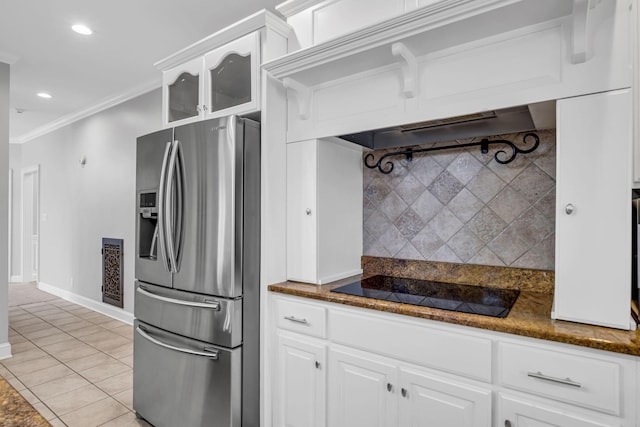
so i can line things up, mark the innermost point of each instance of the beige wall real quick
(81, 205)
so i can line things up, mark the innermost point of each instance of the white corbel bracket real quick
(301, 93)
(409, 69)
(581, 36)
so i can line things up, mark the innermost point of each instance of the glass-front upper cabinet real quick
(182, 91)
(233, 77)
(222, 82)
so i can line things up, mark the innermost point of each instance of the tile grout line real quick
(63, 309)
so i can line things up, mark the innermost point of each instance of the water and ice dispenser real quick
(148, 225)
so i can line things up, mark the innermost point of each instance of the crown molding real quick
(8, 58)
(292, 7)
(414, 23)
(245, 26)
(84, 113)
(277, 24)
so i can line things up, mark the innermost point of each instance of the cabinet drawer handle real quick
(566, 381)
(317, 365)
(403, 391)
(389, 387)
(296, 320)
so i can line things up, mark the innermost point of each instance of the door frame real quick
(10, 221)
(36, 212)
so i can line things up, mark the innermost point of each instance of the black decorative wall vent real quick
(112, 272)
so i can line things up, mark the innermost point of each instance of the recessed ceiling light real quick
(44, 95)
(82, 29)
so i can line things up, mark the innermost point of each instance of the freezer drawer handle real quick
(209, 352)
(567, 381)
(210, 304)
(296, 320)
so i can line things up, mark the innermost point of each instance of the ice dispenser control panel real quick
(148, 208)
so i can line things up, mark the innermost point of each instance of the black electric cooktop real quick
(482, 300)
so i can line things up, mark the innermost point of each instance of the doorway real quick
(30, 223)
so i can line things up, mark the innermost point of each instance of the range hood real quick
(496, 122)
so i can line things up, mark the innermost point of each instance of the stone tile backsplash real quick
(462, 206)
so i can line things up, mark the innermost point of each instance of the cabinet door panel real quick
(362, 390)
(593, 239)
(301, 383)
(428, 400)
(301, 211)
(182, 93)
(516, 412)
(232, 77)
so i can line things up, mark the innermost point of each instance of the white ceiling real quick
(83, 71)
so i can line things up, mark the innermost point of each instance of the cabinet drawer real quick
(300, 317)
(567, 377)
(518, 412)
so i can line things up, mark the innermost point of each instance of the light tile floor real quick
(72, 364)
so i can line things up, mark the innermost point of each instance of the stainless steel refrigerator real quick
(196, 336)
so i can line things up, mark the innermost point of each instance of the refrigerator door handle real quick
(209, 352)
(169, 209)
(208, 303)
(180, 188)
(161, 213)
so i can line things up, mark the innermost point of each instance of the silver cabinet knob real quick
(507, 423)
(308, 211)
(569, 209)
(389, 387)
(403, 392)
(317, 365)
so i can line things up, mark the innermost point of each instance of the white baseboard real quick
(16, 279)
(5, 350)
(100, 307)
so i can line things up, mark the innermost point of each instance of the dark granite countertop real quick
(530, 315)
(15, 411)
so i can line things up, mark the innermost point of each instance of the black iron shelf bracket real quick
(501, 156)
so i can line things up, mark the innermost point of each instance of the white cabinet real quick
(232, 78)
(369, 390)
(301, 382)
(222, 82)
(428, 399)
(552, 385)
(362, 390)
(301, 369)
(182, 92)
(372, 378)
(593, 383)
(635, 45)
(593, 262)
(441, 60)
(522, 412)
(324, 201)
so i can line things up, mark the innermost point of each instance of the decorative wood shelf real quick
(429, 29)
